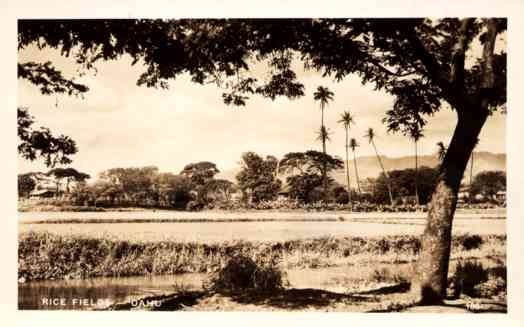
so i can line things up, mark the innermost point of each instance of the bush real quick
(242, 273)
(468, 275)
(470, 242)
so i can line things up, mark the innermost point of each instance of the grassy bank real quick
(49, 256)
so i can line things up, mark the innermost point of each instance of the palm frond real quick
(323, 134)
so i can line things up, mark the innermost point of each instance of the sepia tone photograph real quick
(268, 164)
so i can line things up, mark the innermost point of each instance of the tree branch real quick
(456, 76)
(437, 73)
(430, 63)
(488, 75)
(389, 72)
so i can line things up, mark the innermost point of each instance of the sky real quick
(119, 124)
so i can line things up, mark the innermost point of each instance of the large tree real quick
(310, 166)
(256, 178)
(26, 184)
(420, 62)
(135, 183)
(403, 184)
(488, 183)
(69, 174)
(200, 174)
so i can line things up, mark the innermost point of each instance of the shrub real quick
(468, 275)
(470, 242)
(242, 273)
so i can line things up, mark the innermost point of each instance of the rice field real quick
(261, 226)
(123, 255)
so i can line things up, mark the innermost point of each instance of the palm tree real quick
(353, 145)
(346, 119)
(416, 134)
(324, 95)
(441, 151)
(370, 135)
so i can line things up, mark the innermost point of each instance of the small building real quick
(42, 194)
(284, 192)
(463, 192)
(501, 196)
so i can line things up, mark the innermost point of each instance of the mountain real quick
(368, 166)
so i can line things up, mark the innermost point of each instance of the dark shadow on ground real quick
(397, 288)
(285, 299)
(296, 299)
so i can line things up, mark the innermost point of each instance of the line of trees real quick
(193, 188)
(297, 177)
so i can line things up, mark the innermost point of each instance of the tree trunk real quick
(356, 172)
(347, 169)
(430, 281)
(324, 164)
(416, 175)
(471, 176)
(324, 172)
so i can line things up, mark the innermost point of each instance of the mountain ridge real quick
(368, 166)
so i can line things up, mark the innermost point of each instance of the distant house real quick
(42, 193)
(463, 193)
(501, 196)
(284, 191)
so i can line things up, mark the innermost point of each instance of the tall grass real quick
(43, 255)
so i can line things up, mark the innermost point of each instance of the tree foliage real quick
(256, 178)
(69, 174)
(415, 60)
(201, 172)
(26, 184)
(403, 184)
(41, 143)
(488, 183)
(309, 166)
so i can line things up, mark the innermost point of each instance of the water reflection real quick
(87, 294)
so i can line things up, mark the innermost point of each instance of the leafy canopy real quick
(41, 143)
(421, 62)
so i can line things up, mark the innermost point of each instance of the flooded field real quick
(277, 226)
(86, 294)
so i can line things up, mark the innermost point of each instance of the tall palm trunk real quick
(471, 175)
(356, 172)
(416, 174)
(347, 167)
(324, 164)
(385, 174)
